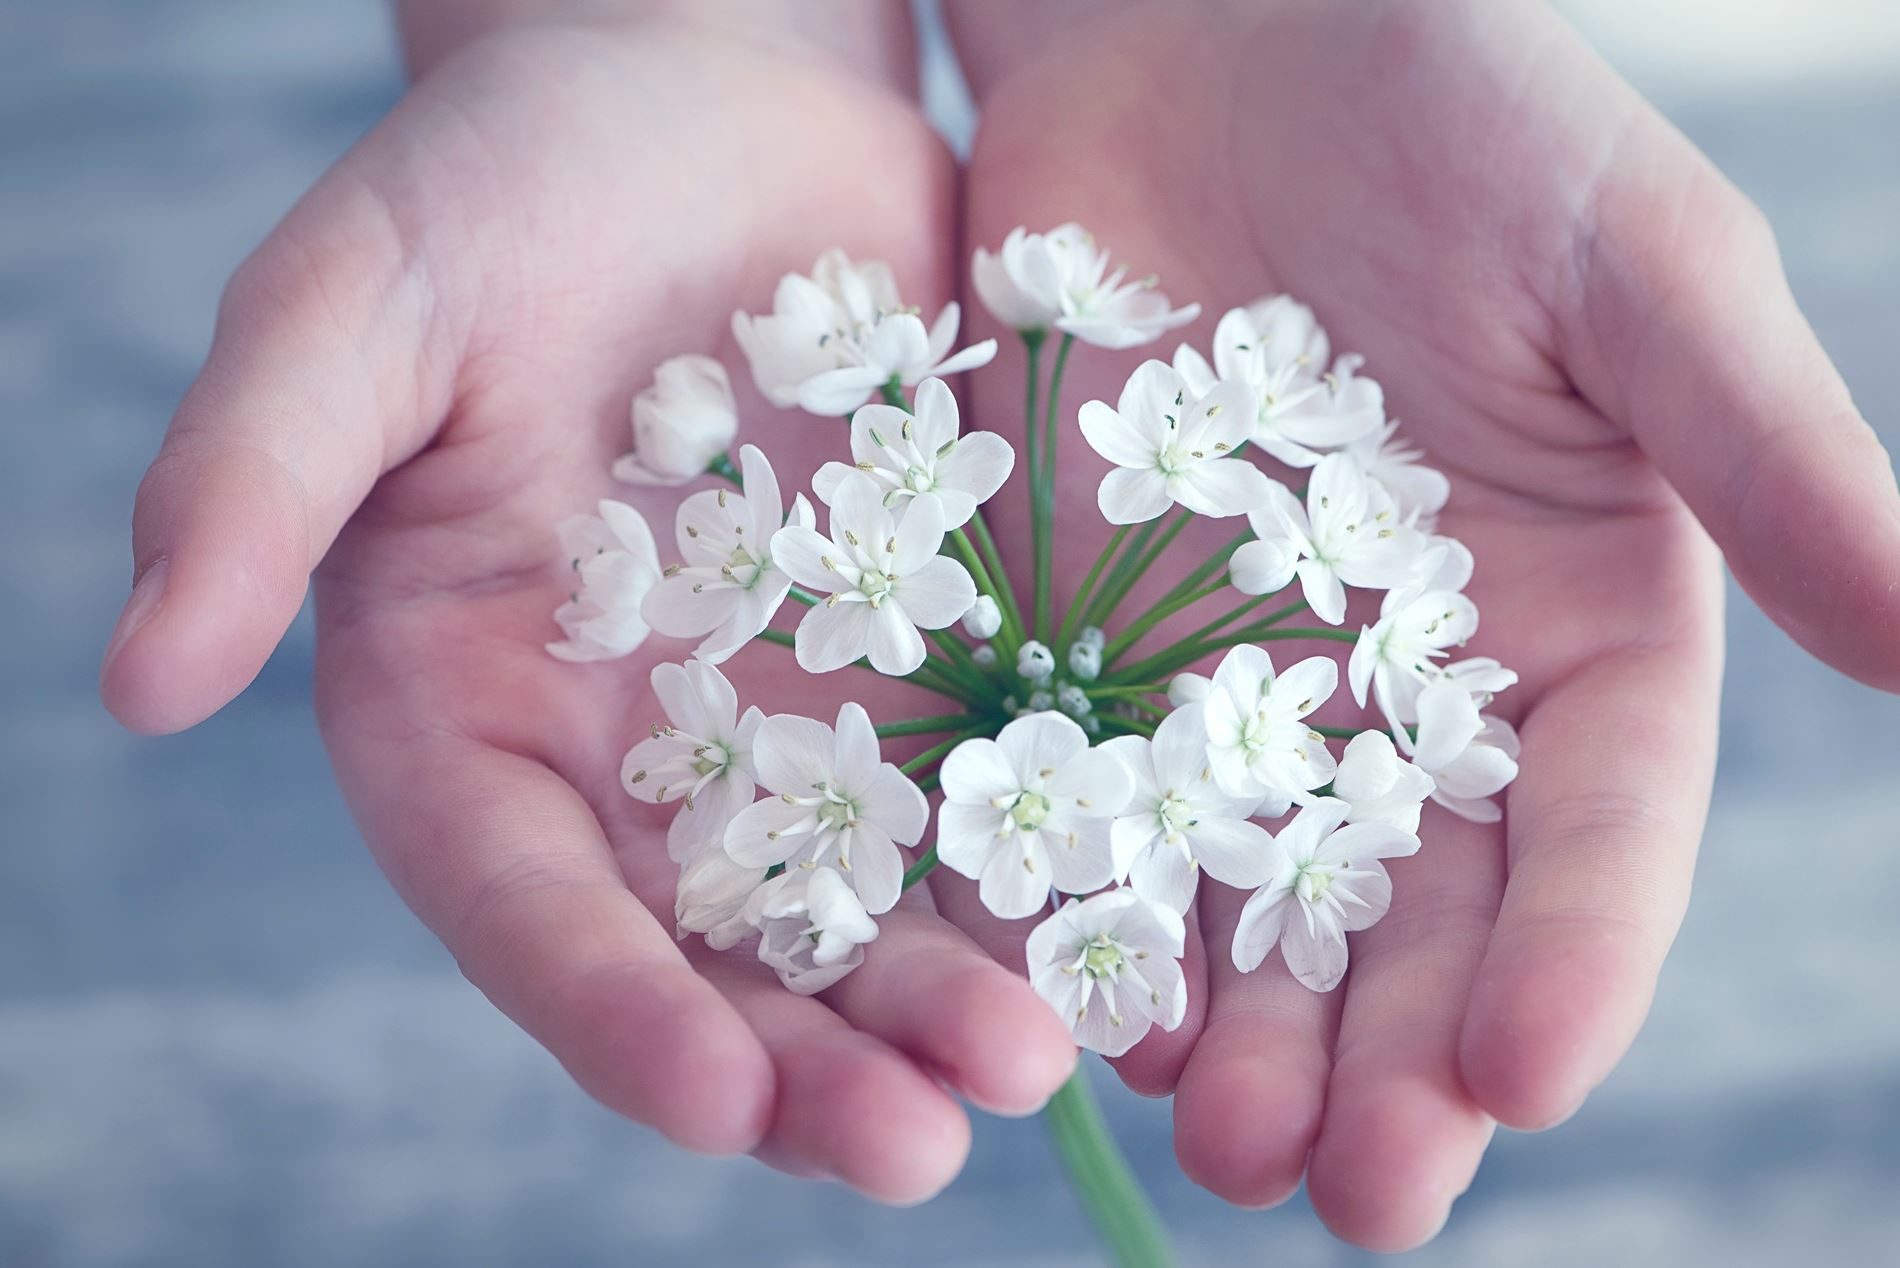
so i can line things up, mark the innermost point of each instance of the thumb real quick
(1691, 338)
(315, 385)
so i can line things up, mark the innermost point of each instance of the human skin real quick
(427, 365)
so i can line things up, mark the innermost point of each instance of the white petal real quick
(1222, 487)
(1008, 888)
(1041, 741)
(978, 772)
(1121, 440)
(1317, 960)
(793, 753)
(855, 747)
(1132, 495)
(896, 648)
(832, 635)
(1261, 923)
(938, 594)
(1235, 852)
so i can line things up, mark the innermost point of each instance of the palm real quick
(1289, 162)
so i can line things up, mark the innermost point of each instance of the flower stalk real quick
(1112, 1197)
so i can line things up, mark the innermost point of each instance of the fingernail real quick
(146, 595)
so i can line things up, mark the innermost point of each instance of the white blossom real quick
(1394, 656)
(1379, 786)
(1179, 822)
(1035, 662)
(702, 756)
(1172, 447)
(835, 338)
(1328, 881)
(1258, 743)
(1420, 491)
(1188, 687)
(711, 898)
(921, 455)
(883, 581)
(812, 928)
(726, 588)
(617, 564)
(983, 619)
(1030, 809)
(1110, 967)
(984, 654)
(1278, 351)
(835, 803)
(1061, 279)
(1470, 756)
(1085, 661)
(1073, 700)
(683, 421)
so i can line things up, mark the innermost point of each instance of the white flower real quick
(1277, 350)
(921, 456)
(1379, 786)
(1470, 756)
(1348, 533)
(1328, 882)
(1420, 491)
(1110, 967)
(813, 928)
(1394, 655)
(1257, 742)
(614, 556)
(727, 588)
(1061, 279)
(703, 756)
(883, 581)
(1179, 821)
(1085, 661)
(711, 898)
(983, 619)
(1035, 662)
(1189, 688)
(680, 424)
(834, 338)
(836, 803)
(1030, 809)
(1172, 447)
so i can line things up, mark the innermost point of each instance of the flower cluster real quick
(1086, 774)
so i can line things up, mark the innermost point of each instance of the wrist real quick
(870, 38)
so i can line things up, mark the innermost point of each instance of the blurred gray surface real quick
(223, 1042)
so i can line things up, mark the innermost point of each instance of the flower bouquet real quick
(1085, 775)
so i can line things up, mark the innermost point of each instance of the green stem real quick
(1045, 490)
(801, 595)
(1156, 615)
(993, 560)
(937, 752)
(925, 864)
(1081, 601)
(893, 392)
(1123, 1217)
(936, 724)
(1032, 457)
(1110, 594)
(721, 466)
(1128, 726)
(986, 583)
(780, 637)
(1198, 644)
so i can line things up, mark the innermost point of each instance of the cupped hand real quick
(1589, 330)
(423, 370)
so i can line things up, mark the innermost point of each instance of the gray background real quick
(223, 1041)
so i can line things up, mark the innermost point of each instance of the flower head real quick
(1110, 967)
(1394, 656)
(834, 338)
(1179, 821)
(614, 556)
(1258, 743)
(726, 588)
(1328, 881)
(1277, 349)
(921, 456)
(1061, 279)
(702, 756)
(1030, 809)
(1470, 756)
(1171, 447)
(812, 928)
(680, 424)
(835, 803)
(883, 581)
(1348, 533)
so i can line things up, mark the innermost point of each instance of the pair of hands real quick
(428, 363)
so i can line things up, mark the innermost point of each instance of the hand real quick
(1588, 328)
(430, 363)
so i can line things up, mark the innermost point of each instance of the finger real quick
(1690, 335)
(1401, 1137)
(1249, 1103)
(849, 1106)
(1153, 1066)
(504, 861)
(1604, 823)
(930, 991)
(326, 368)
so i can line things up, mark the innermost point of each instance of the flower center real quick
(1103, 957)
(742, 569)
(918, 480)
(1176, 815)
(1029, 811)
(836, 812)
(875, 585)
(1315, 879)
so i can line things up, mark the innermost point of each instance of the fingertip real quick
(1010, 1051)
(1153, 1067)
(1392, 1157)
(1255, 1158)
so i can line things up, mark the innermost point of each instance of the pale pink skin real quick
(1556, 291)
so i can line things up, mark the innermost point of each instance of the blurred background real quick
(224, 1042)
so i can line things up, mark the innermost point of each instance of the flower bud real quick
(681, 423)
(1041, 702)
(712, 896)
(983, 619)
(1188, 689)
(1035, 662)
(1074, 701)
(1085, 661)
(984, 655)
(1092, 636)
